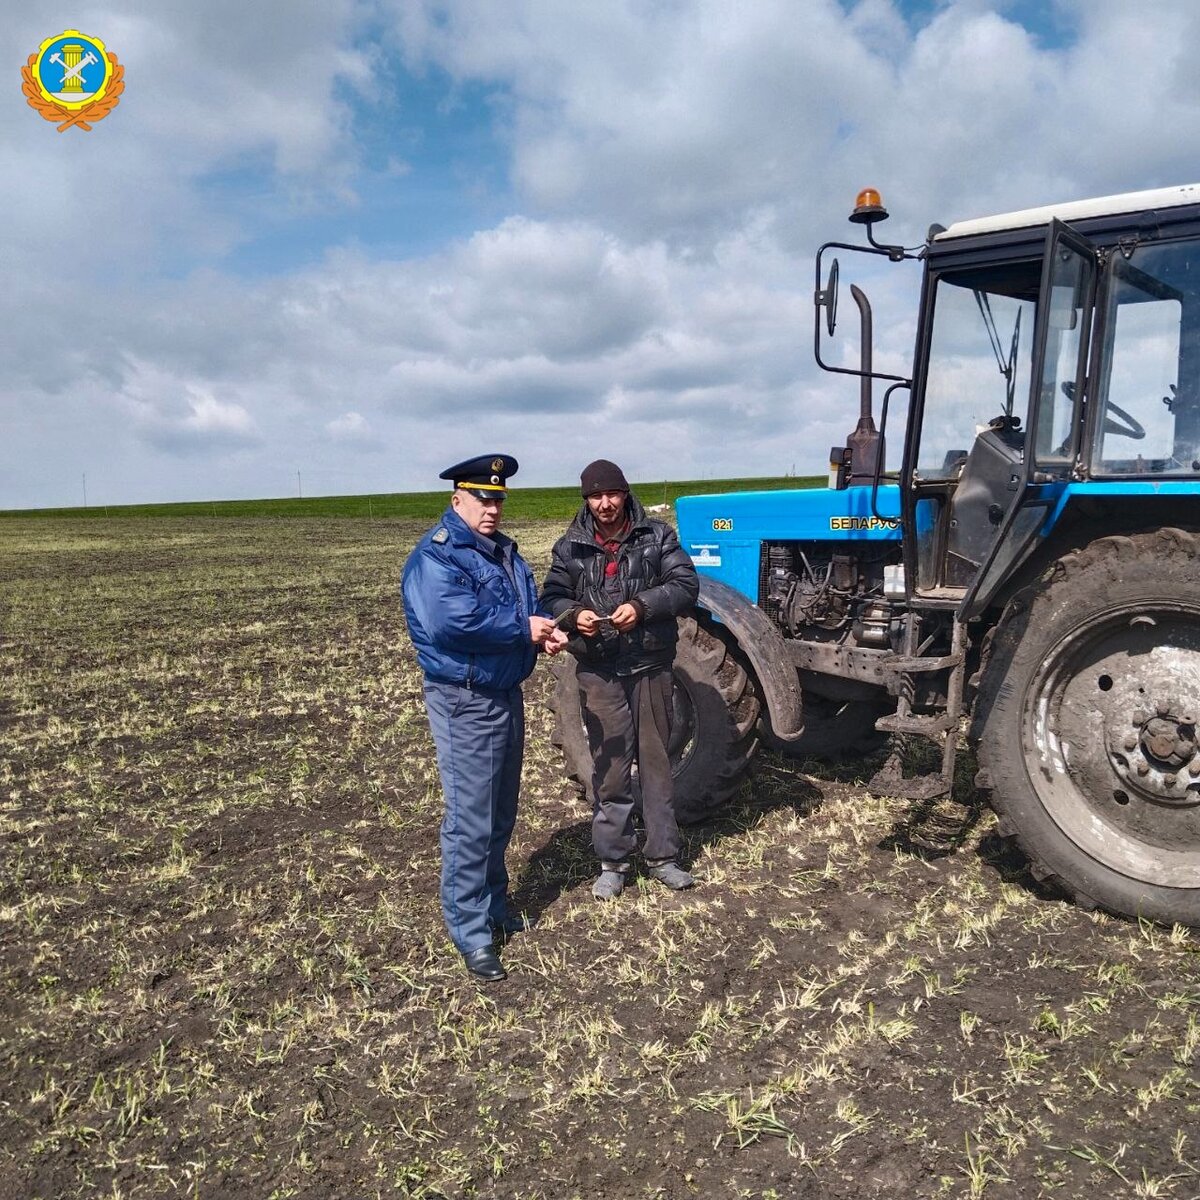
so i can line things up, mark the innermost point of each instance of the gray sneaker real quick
(609, 886)
(672, 875)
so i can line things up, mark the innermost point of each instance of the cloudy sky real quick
(359, 239)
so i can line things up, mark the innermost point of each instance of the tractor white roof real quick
(1077, 210)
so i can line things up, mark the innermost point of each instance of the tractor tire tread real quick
(1105, 559)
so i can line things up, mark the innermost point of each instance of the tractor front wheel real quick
(1087, 725)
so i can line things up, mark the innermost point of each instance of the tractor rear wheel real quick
(1087, 725)
(714, 730)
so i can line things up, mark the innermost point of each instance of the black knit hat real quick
(602, 476)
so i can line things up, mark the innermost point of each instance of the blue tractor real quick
(1029, 578)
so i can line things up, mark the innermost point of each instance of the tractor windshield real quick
(979, 360)
(1149, 393)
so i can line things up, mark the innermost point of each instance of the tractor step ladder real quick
(890, 779)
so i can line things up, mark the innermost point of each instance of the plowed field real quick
(223, 971)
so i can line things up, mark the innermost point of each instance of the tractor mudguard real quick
(761, 644)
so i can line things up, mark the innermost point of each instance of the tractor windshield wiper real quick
(1007, 367)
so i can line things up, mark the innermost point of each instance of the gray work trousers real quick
(480, 739)
(628, 719)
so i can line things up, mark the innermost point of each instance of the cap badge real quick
(497, 465)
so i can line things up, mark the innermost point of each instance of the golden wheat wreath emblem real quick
(73, 79)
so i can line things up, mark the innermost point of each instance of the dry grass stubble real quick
(223, 972)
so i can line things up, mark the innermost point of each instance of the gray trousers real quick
(628, 719)
(480, 739)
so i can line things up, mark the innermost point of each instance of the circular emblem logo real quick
(72, 69)
(73, 76)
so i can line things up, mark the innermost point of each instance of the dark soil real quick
(223, 971)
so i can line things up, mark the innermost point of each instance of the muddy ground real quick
(223, 972)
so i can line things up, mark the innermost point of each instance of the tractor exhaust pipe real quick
(865, 339)
(864, 445)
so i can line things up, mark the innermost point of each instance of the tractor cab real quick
(1057, 363)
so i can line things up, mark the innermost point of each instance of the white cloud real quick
(209, 417)
(210, 88)
(350, 424)
(684, 120)
(354, 430)
(180, 417)
(649, 295)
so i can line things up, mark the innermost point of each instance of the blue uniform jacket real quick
(466, 621)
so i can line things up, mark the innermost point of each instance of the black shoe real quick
(484, 964)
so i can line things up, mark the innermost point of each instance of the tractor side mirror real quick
(827, 298)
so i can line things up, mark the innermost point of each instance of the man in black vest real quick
(617, 581)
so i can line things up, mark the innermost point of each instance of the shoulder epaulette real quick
(440, 535)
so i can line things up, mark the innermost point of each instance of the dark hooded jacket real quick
(653, 573)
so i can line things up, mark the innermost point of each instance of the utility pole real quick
(85, 489)
(299, 488)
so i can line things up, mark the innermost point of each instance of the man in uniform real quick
(473, 617)
(617, 581)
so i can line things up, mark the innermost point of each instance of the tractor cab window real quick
(979, 362)
(1069, 296)
(974, 405)
(1148, 405)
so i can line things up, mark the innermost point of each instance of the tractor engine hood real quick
(724, 533)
